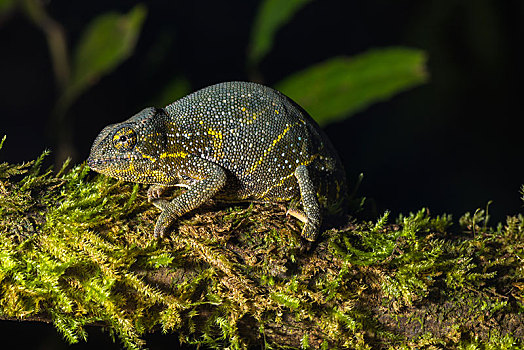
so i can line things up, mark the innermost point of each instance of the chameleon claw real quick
(155, 191)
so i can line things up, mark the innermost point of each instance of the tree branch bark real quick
(236, 273)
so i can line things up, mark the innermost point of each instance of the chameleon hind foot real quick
(309, 232)
(309, 202)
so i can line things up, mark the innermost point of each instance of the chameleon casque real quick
(237, 141)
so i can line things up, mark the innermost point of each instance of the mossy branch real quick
(76, 249)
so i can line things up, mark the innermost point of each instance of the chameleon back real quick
(260, 137)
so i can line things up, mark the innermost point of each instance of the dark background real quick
(451, 145)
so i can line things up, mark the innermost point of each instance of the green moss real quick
(77, 249)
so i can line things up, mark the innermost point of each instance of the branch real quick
(77, 250)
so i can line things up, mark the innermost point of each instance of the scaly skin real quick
(235, 141)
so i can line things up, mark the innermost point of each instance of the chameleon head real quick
(129, 150)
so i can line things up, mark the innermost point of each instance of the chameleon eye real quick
(124, 139)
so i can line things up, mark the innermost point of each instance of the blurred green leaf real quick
(6, 5)
(270, 17)
(340, 87)
(174, 90)
(107, 41)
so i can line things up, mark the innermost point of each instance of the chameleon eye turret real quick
(124, 139)
(234, 140)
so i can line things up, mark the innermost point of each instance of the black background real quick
(451, 145)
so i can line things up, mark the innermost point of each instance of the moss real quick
(77, 249)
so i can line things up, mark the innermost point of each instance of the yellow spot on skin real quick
(122, 173)
(266, 152)
(159, 176)
(173, 155)
(148, 157)
(252, 119)
(201, 122)
(276, 111)
(214, 133)
(217, 142)
(276, 185)
(243, 109)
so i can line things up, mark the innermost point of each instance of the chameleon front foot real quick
(166, 218)
(155, 191)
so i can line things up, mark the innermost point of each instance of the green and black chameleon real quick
(234, 141)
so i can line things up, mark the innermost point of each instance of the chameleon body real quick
(234, 141)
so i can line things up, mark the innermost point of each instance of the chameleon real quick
(236, 141)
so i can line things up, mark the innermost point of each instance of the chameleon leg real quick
(309, 202)
(214, 178)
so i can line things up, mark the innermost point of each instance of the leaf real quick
(107, 41)
(6, 5)
(342, 86)
(172, 91)
(272, 15)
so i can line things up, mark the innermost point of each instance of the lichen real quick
(78, 249)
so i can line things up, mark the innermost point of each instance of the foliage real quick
(78, 249)
(6, 5)
(342, 86)
(107, 41)
(269, 18)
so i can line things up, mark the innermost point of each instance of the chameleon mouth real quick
(97, 163)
